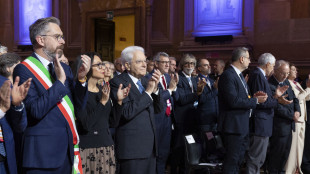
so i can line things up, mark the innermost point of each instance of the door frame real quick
(88, 26)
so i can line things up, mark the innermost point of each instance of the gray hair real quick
(39, 27)
(266, 58)
(279, 63)
(173, 58)
(187, 57)
(3, 49)
(7, 60)
(238, 52)
(127, 53)
(199, 61)
(157, 56)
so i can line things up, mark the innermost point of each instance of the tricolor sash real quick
(65, 106)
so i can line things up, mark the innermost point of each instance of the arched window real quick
(217, 17)
(27, 12)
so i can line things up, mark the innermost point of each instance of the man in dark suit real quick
(218, 69)
(236, 105)
(119, 67)
(262, 117)
(207, 110)
(50, 137)
(13, 119)
(186, 101)
(284, 120)
(136, 139)
(163, 122)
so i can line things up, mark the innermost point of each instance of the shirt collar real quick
(262, 71)
(43, 61)
(187, 76)
(134, 79)
(236, 69)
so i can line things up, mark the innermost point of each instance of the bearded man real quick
(50, 144)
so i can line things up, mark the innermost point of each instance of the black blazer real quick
(94, 121)
(262, 116)
(184, 100)
(135, 134)
(208, 104)
(234, 104)
(283, 122)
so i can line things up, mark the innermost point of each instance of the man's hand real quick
(174, 82)
(280, 91)
(153, 82)
(216, 83)
(200, 86)
(5, 93)
(296, 117)
(85, 67)
(122, 93)
(59, 71)
(19, 93)
(282, 100)
(261, 96)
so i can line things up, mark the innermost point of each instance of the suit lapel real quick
(134, 88)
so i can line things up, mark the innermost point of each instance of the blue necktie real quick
(141, 88)
(2, 149)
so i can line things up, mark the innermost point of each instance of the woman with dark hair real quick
(96, 143)
(294, 160)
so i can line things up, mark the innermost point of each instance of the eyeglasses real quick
(164, 62)
(99, 65)
(189, 63)
(58, 37)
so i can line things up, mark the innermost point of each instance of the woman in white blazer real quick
(295, 157)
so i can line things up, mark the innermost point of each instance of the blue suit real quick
(48, 142)
(235, 107)
(283, 125)
(163, 126)
(208, 105)
(184, 118)
(261, 122)
(262, 116)
(13, 122)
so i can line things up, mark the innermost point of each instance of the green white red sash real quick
(65, 106)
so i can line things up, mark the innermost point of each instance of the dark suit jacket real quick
(12, 122)
(135, 134)
(48, 137)
(234, 104)
(208, 104)
(165, 95)
(262, 116)
(283, 122)
(184, 101)
(93, 122)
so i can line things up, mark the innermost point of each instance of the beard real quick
(52, 54)
(188, 71)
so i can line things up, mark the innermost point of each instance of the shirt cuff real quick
(1, 114)
(19, 108)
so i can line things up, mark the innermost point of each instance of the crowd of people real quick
(131, 116)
